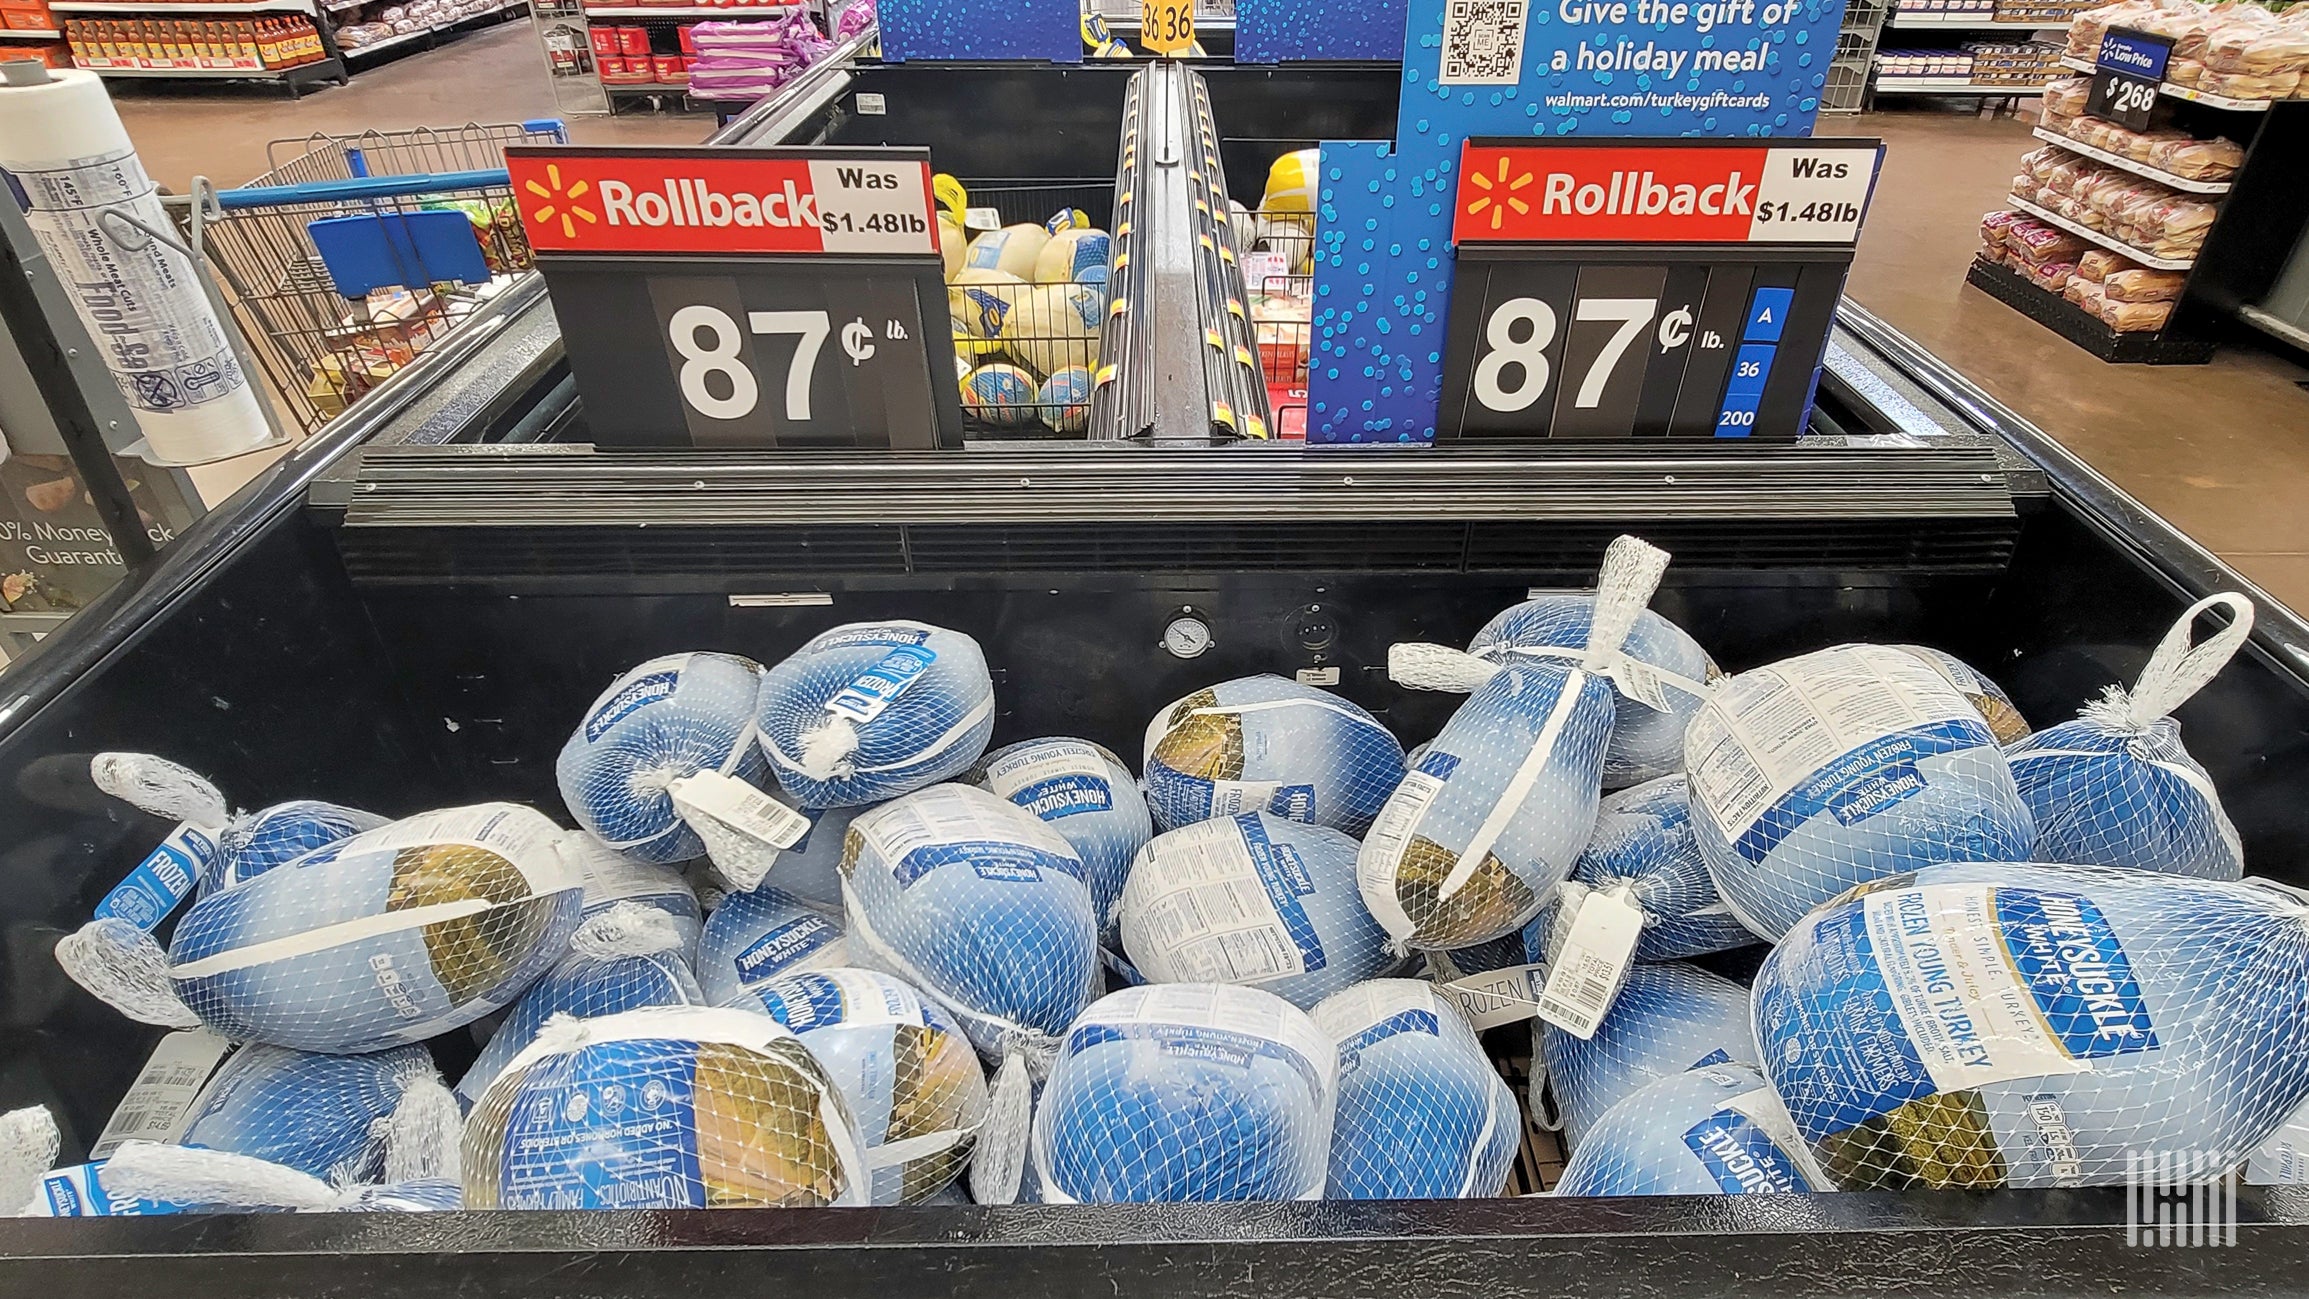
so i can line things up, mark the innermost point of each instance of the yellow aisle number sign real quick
(1167, 26)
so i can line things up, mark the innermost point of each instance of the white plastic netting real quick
(1646, 742)
(663, 720)
(1265, 743)
(1187, 1092)
(2115, 787)
(609, 878)
(972, 900)
(869, 711)
(1667, 1018)
(1988, 698)
(1718, 1130)
(912, 1080)
(322, 1115)
(1643, 843)
(1475, 839)
(1083, 791)
(627, 957)
(1839, 767)
(761, 934)
(675, 1107)
(1255, 900)
(1422, 1112)
(1991, 1024)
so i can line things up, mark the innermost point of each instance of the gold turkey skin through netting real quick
(2004, 721)
(758, 1115)
(1206, 746)
(472, 956)
(935, 1069)
(1492, 896)
(1935, 1143)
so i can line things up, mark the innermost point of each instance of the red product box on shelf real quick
(632, 41)
(604, 41)
(688, 35)
(34, 19)
(670, 69)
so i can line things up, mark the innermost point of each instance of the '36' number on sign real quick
(707, 341)
(1521, 330)
(1167, 26)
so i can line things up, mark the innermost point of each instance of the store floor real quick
(2222, 450)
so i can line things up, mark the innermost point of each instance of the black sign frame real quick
(2121, 95)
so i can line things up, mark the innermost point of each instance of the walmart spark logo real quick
(566, 210)
(1498, 207)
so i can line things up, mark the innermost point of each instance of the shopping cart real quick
(1028, 351)
(351, 254)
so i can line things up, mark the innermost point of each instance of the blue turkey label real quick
(864, 699)
(1000, 861)
(803, 1002)
(894, 637)
(610, 1126)
(1715, 1057)
(784, 945)
(2063, 948)
(1861, 783)
(162, 880)
(629, 698)
(1284, 874)
(1351, 1048)
(1054, 779)
(1742, 1157)
(1437, 763)
(1223, 1047)
(1294, 803)
(920, 835)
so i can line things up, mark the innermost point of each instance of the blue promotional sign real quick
(2128, 68)
(2136, 52)
(955, 29)
(1383, 262)
(1297, 31)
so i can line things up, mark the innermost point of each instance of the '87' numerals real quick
(1524, 359)
(720, 357)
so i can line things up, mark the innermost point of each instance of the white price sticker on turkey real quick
(1587, 974)
(160, 1101)
(740, 806)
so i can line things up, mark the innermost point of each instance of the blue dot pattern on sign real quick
(952, 29)
(1354, 291)
(1285, 31)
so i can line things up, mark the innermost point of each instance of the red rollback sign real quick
(727, 202)
(1655, 192)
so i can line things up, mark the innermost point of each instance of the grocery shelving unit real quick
(658, 94)
(325, 15)
(425, 38)
(1983, 22)
(1953, 86)
(2259, 221)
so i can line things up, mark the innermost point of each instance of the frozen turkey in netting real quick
(610, 877)
(628, 957)
(811, 869)
(1085, 793)
(673, 1108)
(1251, 899)
(1477, 837)
(1646, 742)
(319, 1114)
(1715, 1130)
(2115, 787)
(1422, 1114)
(869, 711)
(912, 1080)
(1265, 743)
(1838, 767)
(1994, 705)
(1667, 1018)
(148, 1179)
(1643, 842)
(667, 719)
(1989, 1024)
(972, 900)
(1187, 1092)
(392, 936)
(761, 934)
(253, 844)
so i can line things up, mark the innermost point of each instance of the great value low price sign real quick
(1646, 288)
(796, 294)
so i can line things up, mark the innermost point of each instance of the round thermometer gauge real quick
(1187, 636)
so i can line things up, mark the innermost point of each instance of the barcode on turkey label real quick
(160, 1101)
(1577, 998)
(739, 806)
(1483, 42)
(1586, 976)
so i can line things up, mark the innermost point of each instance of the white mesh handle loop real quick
(163, 788)
(626, 929)
(1632, 568)
(1416, 665)
(28, 1145)
(424, 1132)
(998, 1164)
(121, 966)
(2178, 669)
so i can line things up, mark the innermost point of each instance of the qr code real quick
(1483, 42)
